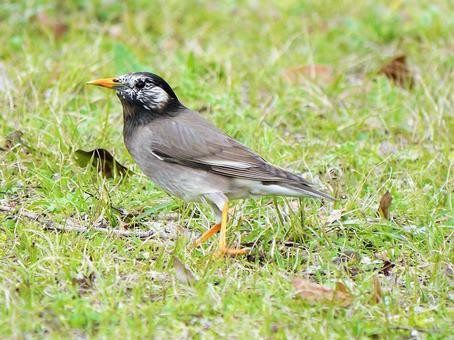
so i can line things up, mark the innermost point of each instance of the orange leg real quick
(223, 249)
(206, 235)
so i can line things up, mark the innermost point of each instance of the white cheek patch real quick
(160, 97)
(154, 98)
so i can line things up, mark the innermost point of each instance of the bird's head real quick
(140, 90)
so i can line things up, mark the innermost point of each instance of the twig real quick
(72, 226)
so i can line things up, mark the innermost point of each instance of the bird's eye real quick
(140, 84)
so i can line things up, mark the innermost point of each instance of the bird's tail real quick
(286, 187)
(300, 189)
(291, 184)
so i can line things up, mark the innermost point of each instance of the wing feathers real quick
(190, 140)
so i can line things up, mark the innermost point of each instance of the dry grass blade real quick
(182, 272)
(319, 73)
(315, 293)
(71, 225)
(397, 70)
(102, 160)
(377, 289)
(385, 204)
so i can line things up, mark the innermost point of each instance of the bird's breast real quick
(182, 181)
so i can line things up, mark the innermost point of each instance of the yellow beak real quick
(110, 83)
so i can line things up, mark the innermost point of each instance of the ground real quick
(298, 82)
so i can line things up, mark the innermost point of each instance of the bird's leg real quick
(223, 250)
(206, 235)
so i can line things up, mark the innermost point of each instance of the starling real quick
(188, 157)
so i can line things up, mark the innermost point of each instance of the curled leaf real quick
(385, 203)
(182, 272)
(315, 293)
(102, 160)
(398, 71)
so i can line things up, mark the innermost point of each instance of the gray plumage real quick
(187, 156)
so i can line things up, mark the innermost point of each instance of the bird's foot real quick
(205, 236)
(231, 251)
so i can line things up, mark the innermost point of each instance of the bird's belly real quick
(184, 182)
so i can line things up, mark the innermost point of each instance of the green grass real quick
(227, 60)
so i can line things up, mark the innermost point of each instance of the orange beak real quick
(110, 83)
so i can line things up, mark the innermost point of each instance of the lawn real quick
(306, 85)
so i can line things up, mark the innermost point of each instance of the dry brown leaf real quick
(13, 139)
(377, 289)
(57, 27)
(182, 272)
(318, 73)
(315, 293)
(85, 282)
(102, 160)
(387, 268)
(385, 203)
(397, 70)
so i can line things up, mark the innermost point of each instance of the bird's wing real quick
(190, 140)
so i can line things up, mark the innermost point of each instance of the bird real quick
(187, 156)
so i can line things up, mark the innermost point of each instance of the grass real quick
(354, 131)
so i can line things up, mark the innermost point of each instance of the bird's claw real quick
(231, 252)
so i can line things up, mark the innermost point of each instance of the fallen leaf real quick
(397, 70)
(182, 272)
(377, 289)
(319, 73)
(84, 282)
(57, 27)
(14, 138)
(346, 256)
(385, 203)
(383, 255)
(334, 215)
(442, 219)
(102, 160)
(386, 268)
(386, 148)
(313, 292)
